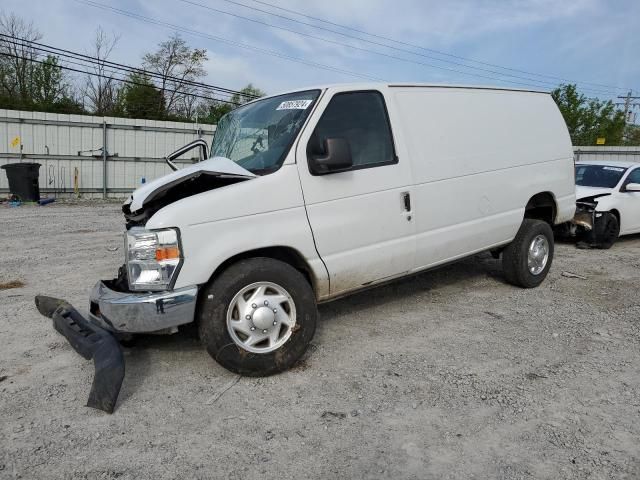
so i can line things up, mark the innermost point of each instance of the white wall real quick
(607, 153)
(135, 149)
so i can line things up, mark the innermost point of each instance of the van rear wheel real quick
(258, 317)
(527, 259)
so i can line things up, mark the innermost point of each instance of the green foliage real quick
(141, 98)
(46, 90)
(589, 118)
(213, 111)
(632, 136)
(247, 94)
(48, 85)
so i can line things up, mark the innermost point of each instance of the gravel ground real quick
(449, 374)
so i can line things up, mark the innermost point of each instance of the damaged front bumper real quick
(113, 312)
(585, 217)
(586, 226)
(92, 342)
(128, 312)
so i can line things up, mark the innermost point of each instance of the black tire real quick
(212, 316)
(515, 255)
(609, 232)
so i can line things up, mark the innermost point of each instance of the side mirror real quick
(337, 157)
(199, 143)
(632, 187)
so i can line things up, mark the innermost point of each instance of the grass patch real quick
(11, 284)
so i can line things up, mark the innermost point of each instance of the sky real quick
(595, 43)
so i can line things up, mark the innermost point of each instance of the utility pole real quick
(629, 104)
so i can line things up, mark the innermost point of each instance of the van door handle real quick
(406, 200)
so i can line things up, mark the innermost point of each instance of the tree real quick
(51, 92)
(212, 111)
(29, 81)
(632, 135)
(176, 66)
(17, 57)
(166, 90)
(589, 118)
(140, 98)
(101, 89)
(47, 85)
(247, 94)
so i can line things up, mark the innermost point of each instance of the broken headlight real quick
(153, 258)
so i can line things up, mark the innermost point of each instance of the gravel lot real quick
(449, 374)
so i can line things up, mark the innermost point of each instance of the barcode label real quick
(294, 105)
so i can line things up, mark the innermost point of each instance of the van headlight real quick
(153, 258)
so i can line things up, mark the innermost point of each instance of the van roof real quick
(468, 87)
(374, 85)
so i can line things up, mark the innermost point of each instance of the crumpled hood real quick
(588, 192)
(218, 166)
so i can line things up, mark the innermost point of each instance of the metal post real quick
(104, 158)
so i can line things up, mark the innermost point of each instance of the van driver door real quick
(361, 218)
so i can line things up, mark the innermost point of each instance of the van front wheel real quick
(258, 317)
(527, 259)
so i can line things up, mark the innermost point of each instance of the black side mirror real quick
(337, 157)
(199, 143)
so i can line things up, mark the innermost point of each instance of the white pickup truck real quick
(311, 195)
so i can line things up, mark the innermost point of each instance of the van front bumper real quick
(143, 312)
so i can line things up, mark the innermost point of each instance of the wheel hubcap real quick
(538, 255)
(261, 317)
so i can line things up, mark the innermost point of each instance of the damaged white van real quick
(314, 194)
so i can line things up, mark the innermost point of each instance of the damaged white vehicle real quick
(608, 202)
(311, 195)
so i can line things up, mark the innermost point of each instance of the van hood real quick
(584, 193)
(216, 167)
(198, 178)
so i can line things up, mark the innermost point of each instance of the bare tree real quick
(101, 90)
(176, 65)
(187, 102)
(18, 53)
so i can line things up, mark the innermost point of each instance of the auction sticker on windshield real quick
(294, 105)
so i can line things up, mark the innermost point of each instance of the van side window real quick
(360, 118)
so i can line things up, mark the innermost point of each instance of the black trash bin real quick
(23, 180)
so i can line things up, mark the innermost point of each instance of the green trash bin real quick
(23, 180)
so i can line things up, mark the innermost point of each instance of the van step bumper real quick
(92, 342)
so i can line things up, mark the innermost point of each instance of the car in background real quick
(607, 202)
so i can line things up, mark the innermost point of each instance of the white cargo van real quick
(314, 194)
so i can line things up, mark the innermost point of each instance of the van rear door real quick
(361, 217)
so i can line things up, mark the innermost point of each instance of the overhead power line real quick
(123, 80)
(531, 81)
(629, 104)
(113, 74)
(94, 61)
(407, 44)
(233, 43)
(155, 21)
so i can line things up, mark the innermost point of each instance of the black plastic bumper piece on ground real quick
(92, 342)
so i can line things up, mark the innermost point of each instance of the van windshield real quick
(258, 136)
(603, 176)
